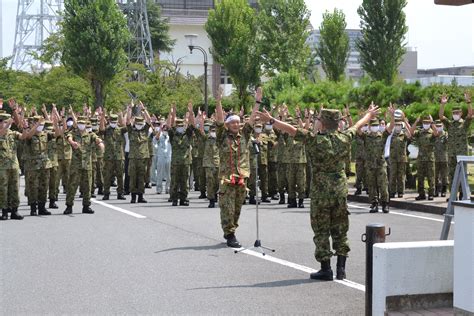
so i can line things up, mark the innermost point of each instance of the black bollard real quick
(374, 233)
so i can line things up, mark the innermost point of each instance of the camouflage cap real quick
(426, 119)
(438, 123)
(113, 117)
(94, 120)
(179, 122)
(37, 118)
(457, 109)
(139, 119)
(48, 125)
(2, 111)
(4, 116)
(398, 120)
(331, 115)
(374, 122)
(258, 125)
(208, 123)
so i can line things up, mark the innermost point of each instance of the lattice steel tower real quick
(35, 21)
(140, 49)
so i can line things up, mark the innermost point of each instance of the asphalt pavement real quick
(156, 259)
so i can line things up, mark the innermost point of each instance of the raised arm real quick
(219, 110)
(280, 125)
(391, 125)
(191, 114)
(444, 100)
(413, 127)
(146, 115)
(258, 100)
(371, 113)
(467, 97)
(433, 127)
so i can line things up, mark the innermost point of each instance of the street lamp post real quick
(191, 38)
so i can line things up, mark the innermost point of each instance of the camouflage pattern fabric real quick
(180, 182)
(136, 171)
(231, 198)
(212, 181)
(296, 177)
(426, 170)
(9, 170)
(398, 171)
(113, 168)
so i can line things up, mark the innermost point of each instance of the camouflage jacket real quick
(198, 145)
(327, 153)
(138, 142)
(374, 144)
(231, 160)
(8, 147)
(398, 147)
(82, 156)
(181, 146)
(425, 141)
(53, 152)
(295, 150)
(113, 141)
(440, 147)
(63, 147)
(211, 153)
(38, 151)
(272, 148)
(457, 136)
(359, 149)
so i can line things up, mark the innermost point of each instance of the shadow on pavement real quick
(196, 248)
(281, 283)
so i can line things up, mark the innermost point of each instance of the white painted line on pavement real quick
(299, 267)
(116, 208)
(404, 214)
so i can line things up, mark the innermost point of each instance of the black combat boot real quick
(134, 198)
(392, 195)
(183, 202)
(42, 209)
(358, 191)
(420, 197)
(341, 268)
(232, 241)
(275, 197)
(300, 203)
(325, 274)
(52, 203)
(15, 214)
(265, 199)
(252, 200)
(93, 194)
(175, 203)
(385, 207)
(443, 191)
(141, 199)
(212, 203)
(86, 209)
(147, 186)
(33, 209)
(68, 210)
(400, 195)
(282, 199)
(430, 197)
(292, 203)
(374, 208)
(120, 196)
(100, 191)
(4, 216)
(437, 190)
(203, 195)
(106, 197)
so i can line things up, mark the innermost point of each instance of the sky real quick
(443, 36)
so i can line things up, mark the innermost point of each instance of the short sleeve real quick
(352, 131)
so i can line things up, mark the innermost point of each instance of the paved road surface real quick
(156, 259)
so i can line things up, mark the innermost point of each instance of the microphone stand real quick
(257, 244)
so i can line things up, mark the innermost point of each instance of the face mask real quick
(165, 133)
(157, 129)
(212, 134)
(69, 123)
(89, 129)
(440, 129)
(206, 128)
(269, 127)
(426, 126)
(198, 125)
(139, 126)
(382, 128)
(398, 129)
(180, 130)
(365, 128)
(40, 128)
(456, 117)
(81, 127)
(95, 127)
(113, 125)
(374, 129)
(258, 130)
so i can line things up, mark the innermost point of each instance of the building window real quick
(225, 78)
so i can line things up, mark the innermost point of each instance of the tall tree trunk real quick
(99, 95)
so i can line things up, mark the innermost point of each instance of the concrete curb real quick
(402, 205)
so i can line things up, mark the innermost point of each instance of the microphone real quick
(256, 147)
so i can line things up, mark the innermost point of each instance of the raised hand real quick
(444, 99)
(264, 115)
(467, 97)
(259, 94)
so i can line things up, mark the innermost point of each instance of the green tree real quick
(95, 34)
(382, 44)
(284, 29)
(159, 29)
(333, 49)
(232, 28)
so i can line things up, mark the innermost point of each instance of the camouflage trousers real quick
(63, 171)
(149, 162)
(53, 186)
(347, 164)
(9, 188)
(231, 198)
(398, 171)
(272, 178)
(180, 182)
(199, 175)
(425, 170)
(38, 181)
(212, 181)
(282, 178)
(441, 175)
(136, 172)
(361, 175)
(113, 168)
(309, 176)
(79, 178)
(296, 175)
(378, 186)
(452, 162)
(263, 180)
(98, 180)
(330, 219)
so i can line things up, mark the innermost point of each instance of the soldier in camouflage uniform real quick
(425, 139)
(457, 129)
(398, 153)
(296, 172)
(197, 162)
(53, 190)
(262, 160)
(210, 163)
(329, 212)
(99, 165)
(64, 156)
(282, 152)
(272, 156)
(361, 174)
(82, 143)
(9, 169)
(114, 156)
(374, 144)
(234, 145)
(181, 139)
(441, 160)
